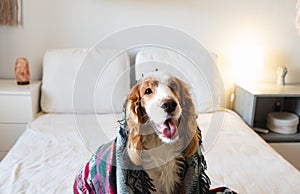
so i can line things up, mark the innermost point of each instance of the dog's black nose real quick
(169, 105)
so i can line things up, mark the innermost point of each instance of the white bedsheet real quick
(48, 155)
(244, 162)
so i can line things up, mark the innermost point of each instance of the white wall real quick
(217, 24)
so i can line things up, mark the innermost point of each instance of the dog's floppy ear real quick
(134, 111)
(192, 134)
(135, 116)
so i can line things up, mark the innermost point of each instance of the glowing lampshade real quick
(247, 61)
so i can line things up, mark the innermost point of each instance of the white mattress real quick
(244, 162)
(48, 155)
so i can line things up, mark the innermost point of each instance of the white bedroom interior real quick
(249, 39)
(221, 27)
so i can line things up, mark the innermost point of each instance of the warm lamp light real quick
(248, 62)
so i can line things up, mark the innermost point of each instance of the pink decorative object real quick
(22, 71)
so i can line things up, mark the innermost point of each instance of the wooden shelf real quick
(272, 137)
(254, 102)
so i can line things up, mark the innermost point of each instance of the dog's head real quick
(160, 105)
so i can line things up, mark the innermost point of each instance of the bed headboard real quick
(67, 87)
(199, 76)
(65, 90)
(97, 80)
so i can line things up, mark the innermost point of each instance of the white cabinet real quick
(19, 104)
(254, 102)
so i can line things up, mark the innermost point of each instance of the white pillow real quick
(201, 78)
(68, 88)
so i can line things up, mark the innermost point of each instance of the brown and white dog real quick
(162, 129)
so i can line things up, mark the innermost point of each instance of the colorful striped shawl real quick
(111, 171)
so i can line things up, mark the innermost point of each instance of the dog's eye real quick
(148, 91)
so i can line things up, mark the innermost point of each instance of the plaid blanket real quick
(111, 171)
(99, 174)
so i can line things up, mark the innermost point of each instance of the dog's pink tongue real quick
(170, 129)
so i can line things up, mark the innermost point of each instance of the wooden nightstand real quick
(254, 102)
(19, 104)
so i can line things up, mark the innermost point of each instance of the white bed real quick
(54, 146)
(48, 155)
